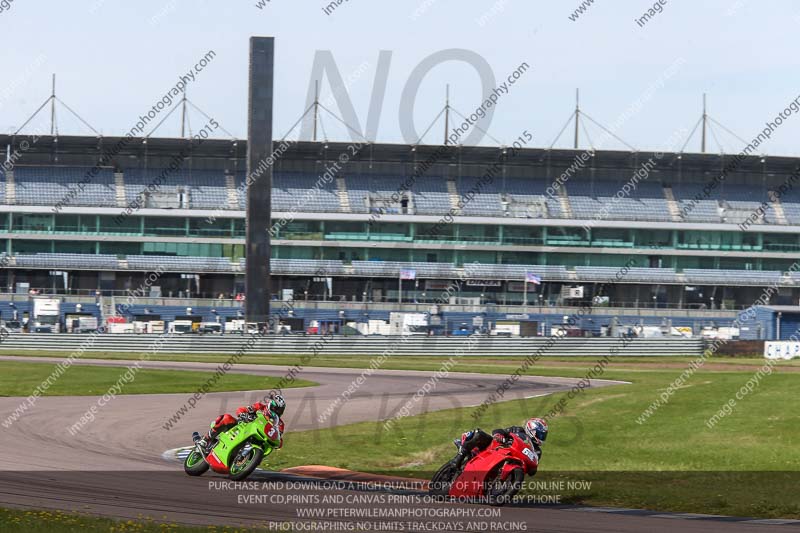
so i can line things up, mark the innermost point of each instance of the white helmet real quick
(536, 428)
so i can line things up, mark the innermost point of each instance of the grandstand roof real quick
(82, 150)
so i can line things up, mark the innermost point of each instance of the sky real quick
(115, 59)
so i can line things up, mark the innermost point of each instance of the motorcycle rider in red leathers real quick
(475, 441)
(273, 410)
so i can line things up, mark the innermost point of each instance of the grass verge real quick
(19, 379)
(468, 364)
(745, 465)
(19, 521)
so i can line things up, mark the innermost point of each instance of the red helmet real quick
(536, 428)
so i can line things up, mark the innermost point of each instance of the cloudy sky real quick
(115, 59)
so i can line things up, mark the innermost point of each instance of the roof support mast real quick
(316, 107)
(53, 122)
(705, 121)
(446, 113)
(577, 116)
(53, 107)
(183, 114)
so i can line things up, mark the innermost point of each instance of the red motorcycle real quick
(493, 476)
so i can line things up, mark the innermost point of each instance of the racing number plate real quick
(527, 452)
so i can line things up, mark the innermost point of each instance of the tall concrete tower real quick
(259, 207)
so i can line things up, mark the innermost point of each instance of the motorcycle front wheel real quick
(500, 492)
(244, 460)
(195, 464)
(443, 479)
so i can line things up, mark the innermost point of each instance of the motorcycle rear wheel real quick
(195, 464)
(500, 492)
(443, 479)
(239, 470)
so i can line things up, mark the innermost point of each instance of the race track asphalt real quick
(114, 466)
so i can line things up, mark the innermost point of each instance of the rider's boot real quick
(204, 442)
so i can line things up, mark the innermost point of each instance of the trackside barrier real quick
(781, 350)
(299, 344)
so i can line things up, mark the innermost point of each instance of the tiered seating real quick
(2, 186)
(702, 210)
(361, 188)
(485, 203)
(303, 192)
(727, 203)
(593, 199)
(203, 189)
(305, 267)
(745, 277)
(52, 185)
(532, 191)
(791, 208)
(207, 189)
(138, 180)
(241, 190)
(392, 269)
(516, 272)
(431, 196)
(743, 201)
(790, 200)
(179, 263)
(57, 260)
(629, 275)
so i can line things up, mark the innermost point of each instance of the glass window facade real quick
(678, 248)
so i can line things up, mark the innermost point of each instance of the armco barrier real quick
(300, 344)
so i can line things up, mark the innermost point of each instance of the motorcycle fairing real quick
(235, 436)
(471, 482)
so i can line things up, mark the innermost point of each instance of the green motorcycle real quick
(238, 451)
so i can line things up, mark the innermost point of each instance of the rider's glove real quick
(246, 414)
(502, 437)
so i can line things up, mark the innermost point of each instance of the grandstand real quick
(45, 185)
(670, 243)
